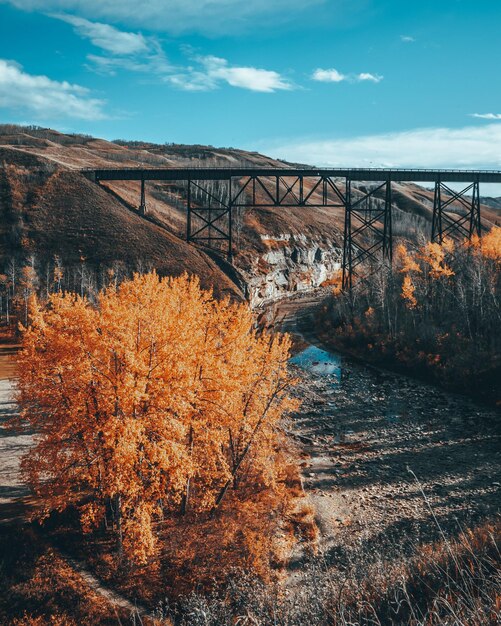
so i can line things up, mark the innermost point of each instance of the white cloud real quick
(154, 63)
(334, 76)
(191, 79)
(121, 50)
(107, 37)
(44, 97)
(136, 53)
(468, 147)
(328, 76)
(374, 78)
(177, 16)
(487, 116)
(407, 38)
(214, 71)
(251, 78)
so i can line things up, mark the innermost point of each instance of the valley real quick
(50, 208)
(368, 485)
(250, 313)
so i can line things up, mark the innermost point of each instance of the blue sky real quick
(331, 82)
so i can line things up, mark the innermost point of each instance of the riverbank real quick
(483, 388)
(305, 317)
(384, 451)
(435, 315)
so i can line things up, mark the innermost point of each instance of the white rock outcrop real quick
(292, 263)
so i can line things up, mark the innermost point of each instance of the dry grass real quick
(455, 582)
(50, 211)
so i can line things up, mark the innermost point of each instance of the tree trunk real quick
(186, 496)
(117, 514)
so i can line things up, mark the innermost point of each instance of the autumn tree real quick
(157, 399)
(28, 284)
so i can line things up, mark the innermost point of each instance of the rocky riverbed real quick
(387, 459)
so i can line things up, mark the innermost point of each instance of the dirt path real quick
(294, 313)
(112, 597)
(14, 495)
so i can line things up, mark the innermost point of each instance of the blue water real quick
(319, 362)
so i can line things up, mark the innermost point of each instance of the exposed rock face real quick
(292, 263)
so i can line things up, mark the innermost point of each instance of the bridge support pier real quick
(142, 203)
(209, 217)
(347, 268)
(367, 230)
(455, 214)
(368, 210)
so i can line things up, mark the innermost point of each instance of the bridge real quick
(212, 195)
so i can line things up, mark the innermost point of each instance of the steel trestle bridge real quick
(212, 194)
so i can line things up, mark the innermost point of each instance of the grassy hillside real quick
(48, 209)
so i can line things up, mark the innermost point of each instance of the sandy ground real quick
(13, 493)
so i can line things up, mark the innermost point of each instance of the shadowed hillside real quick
(50, 210)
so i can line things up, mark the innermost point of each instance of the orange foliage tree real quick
(434, 256)
(154, 400)
(490, 244)
(408, 291)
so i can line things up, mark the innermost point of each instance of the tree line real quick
(437, 310)
(23, 276)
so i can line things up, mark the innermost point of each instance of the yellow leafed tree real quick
(156, 399)
(408, 291)
(490, 244)
(405, 260)
(434, 255)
